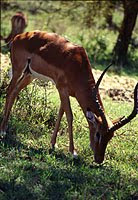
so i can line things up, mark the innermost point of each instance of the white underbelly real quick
(40, 76)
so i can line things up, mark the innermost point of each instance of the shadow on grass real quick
(9, 190)
(56, 176)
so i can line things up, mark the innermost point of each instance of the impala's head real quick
(19, 23)
(99, 136)
(101, 128)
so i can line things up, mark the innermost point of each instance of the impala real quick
(45, 55)
(18, 23)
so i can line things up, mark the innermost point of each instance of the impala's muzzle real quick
(99, 159)
(99, 152)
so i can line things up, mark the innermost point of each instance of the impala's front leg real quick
(54, 136)
(67, 108)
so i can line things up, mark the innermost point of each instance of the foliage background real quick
(82, 22)
(28, 169)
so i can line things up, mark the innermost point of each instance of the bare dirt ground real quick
(119, 88)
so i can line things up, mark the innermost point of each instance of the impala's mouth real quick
(98, 159)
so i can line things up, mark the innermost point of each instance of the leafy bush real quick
(28, 170)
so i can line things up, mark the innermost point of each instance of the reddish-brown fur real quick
(19, 23)
(68, 65)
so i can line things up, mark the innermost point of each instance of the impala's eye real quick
(97, 137)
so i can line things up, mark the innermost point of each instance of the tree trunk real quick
(125, 33)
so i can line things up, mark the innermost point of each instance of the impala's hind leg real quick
(65, 102)
(13, 90)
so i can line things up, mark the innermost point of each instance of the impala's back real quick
(54, 57)
(39, 54)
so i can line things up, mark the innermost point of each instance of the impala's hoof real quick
(75, 155)
(54, 146)
(2, 134)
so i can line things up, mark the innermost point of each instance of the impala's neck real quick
(86, 101)
(85, 96)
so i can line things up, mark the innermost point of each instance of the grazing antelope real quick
(40, 55)
(19, 23)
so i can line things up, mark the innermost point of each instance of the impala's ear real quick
(90, 116)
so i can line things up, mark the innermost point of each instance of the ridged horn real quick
(102, 75)
(95, 91)
(126, 120)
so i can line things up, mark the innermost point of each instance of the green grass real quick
(98, 41)
(28, 170)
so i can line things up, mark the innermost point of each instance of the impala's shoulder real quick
(79, 52)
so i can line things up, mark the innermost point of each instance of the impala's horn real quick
(102, 75)
(126, 120)
(95, 92)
